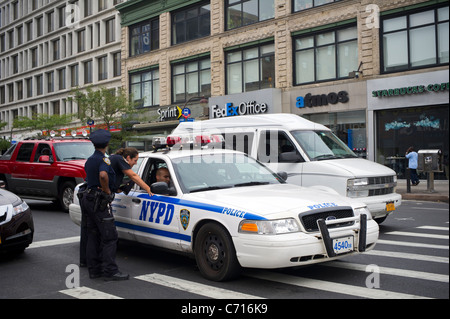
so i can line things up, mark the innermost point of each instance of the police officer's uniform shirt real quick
(96, 164)
(119, 164)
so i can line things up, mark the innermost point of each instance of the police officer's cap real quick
(100, 137)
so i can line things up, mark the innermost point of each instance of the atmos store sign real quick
(310, 100)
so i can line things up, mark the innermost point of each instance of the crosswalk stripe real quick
(404, 233)
(54, 242)
(433, 228)
(407, 256)
(390, 271)
(87, 293)
(410, 244)
(195, 288)
(331, 286)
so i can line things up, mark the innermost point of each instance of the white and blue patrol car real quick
(230, 211)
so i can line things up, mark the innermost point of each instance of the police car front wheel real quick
(215, 253)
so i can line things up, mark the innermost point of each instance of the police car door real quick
(154, 219)
(123, 206)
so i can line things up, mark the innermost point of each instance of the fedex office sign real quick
(244, 108)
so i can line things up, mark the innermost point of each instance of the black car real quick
(16, 223)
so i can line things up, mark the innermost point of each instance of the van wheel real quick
(215, 253)
(66, 195)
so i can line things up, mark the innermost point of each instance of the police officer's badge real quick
(185, 216)
(106, 160)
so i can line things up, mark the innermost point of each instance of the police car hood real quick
(269, 200)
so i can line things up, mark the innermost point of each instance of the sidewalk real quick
(420, 192)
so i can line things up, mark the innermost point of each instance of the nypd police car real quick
(230, 211)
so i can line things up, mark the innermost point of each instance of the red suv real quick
(47, 169)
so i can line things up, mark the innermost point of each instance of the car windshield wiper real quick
(251, 184)
(209, 188)
(324, 157)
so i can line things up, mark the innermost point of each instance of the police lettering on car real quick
(230, 211)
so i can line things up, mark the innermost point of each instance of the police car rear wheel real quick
(215, 253)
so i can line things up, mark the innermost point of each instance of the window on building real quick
(191, 79)
(117, 64)
(250, 69)
(191, 23)
(62, 78)
(415, 40)
(325, 56)
(50, 82)
(74, 75)
(299, 5)
(81, 40)
(88, 72)
(110, 30)
(240, 13)
(39, 85)
(56, 51)
(102, 68)
(144, 37)
(145, 88)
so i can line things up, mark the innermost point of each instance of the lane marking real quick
(195, 288)
(87, 293)
(409, 244)
(331, 286)
(54, 242)
(404, 233)
(390, 271)
(433, 228)
(394, 254)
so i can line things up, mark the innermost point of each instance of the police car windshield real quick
(73, 151)
(322, 145)
(219, 171)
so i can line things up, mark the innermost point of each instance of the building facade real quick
(375, 72)
(50, 47)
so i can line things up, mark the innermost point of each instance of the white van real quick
(309, 153)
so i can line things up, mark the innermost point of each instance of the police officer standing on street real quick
(102, 232)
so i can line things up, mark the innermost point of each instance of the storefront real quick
(408, 111)
(340, 107)
(265, 101)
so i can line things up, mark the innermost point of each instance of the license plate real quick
(390, 206)
(343, 244)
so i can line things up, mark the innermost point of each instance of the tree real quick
(42, 122)
(106, 106)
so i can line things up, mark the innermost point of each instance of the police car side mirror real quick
(160, 188)
(283, 175)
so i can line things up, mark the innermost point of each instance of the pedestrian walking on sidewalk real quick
(412, 157)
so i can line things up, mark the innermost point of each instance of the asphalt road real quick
(411, 260)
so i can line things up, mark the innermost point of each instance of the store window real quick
(415, 40)
(192, 23)
(144, 37)
(425, 127)
(240, 13)
(191, 79)
(325, 56)
(145, 88)
(250, 69)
